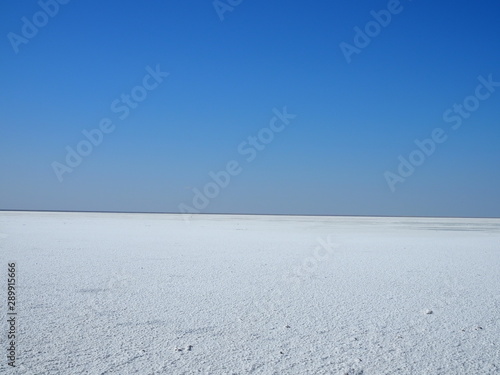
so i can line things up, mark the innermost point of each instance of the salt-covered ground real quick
(220, 294)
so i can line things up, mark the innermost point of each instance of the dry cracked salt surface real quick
(106, 293)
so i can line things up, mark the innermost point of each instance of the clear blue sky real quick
(353, 120)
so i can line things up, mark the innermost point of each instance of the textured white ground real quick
(153, 294)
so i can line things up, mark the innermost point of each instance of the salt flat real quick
(222, 294)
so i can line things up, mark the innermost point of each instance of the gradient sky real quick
(353, 120)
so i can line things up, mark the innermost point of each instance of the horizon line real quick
(247, 214)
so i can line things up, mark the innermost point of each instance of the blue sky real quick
(352, 119)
